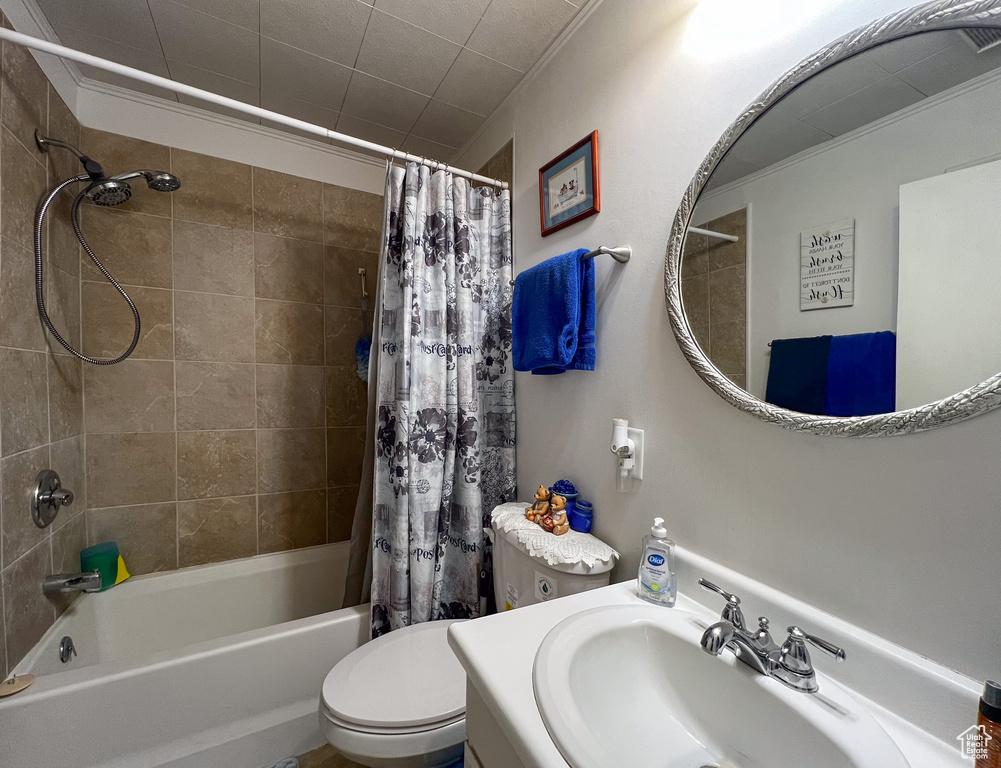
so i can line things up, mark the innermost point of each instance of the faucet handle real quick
(731, 612)
(763, 636)
(825, 645)
(795, 657)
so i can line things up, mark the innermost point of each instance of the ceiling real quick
(853, 94)
(420, 75)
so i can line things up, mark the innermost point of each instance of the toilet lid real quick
(409, 677)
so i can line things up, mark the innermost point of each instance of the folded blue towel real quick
(553, 316)
(862, 374)
(797, 374)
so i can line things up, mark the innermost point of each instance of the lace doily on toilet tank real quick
(571, 547)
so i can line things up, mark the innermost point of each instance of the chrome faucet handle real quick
(825, 645)
(763, 636)
(795, 656)
(731, 611)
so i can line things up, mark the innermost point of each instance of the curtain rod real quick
(145, 77)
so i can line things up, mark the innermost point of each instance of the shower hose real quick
(40, 267)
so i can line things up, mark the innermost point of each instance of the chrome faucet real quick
(72, 582)
(790, 664)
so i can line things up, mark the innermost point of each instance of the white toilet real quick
(398, 701)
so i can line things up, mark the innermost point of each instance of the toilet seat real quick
(399, 697)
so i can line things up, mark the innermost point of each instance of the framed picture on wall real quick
(569, 186)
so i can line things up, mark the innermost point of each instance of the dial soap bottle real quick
(656, 574)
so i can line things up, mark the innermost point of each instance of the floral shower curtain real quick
(446, 417)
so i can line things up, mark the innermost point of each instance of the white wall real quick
(899, 535)
(856, 177)
(948, 314)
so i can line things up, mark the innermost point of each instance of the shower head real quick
(116, 190)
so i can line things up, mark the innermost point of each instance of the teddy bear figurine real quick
(540, 508)
(558, 515)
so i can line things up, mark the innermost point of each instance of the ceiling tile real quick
(288, 71)
(517, 32)
(203, 41)
(731, 169)
(899, 54)
(452, 19)
(774, 137)
(246, 13)
(147, 61)
(248, 93)
(290, 106)
(432, 150)
(446, 124)
(332, 29)
(844, 78)
(362, 129)
(950, 67)
(863, 107)
(384, 103)
(401, 53)
(477, 84)
(124, 21)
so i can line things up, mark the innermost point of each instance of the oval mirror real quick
(832, 266)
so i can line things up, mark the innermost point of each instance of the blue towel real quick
(862, 374)
(553, 316)
(797, 374)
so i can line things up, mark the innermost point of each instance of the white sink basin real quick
(630, 685)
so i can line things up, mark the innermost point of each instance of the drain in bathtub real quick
(66, 649)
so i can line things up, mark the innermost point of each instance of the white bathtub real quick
(218, 666)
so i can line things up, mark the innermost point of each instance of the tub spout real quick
(72, 582)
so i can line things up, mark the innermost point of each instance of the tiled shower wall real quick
(237, 426)
(714, 291)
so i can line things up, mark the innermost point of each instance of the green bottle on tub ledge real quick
(106, 560)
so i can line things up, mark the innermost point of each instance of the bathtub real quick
(218, 666)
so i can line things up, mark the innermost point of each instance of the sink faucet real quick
(790, 664)
(72, 582)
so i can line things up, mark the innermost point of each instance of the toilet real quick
(400, 700)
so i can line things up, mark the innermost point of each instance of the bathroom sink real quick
(630, 685)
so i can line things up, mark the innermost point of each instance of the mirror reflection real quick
(842, 258)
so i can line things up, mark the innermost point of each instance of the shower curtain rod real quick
(145, 77)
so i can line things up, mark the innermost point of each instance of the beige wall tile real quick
(213, 190)
(346, 397)
(119, 154)
(3, 639)
(341, 282)
(728, 347)
(17, 478)
(213, 328)
(695, 257)
(341, 512)
(702, 336)
(695, 297)
(133, 247)
(67, 543)
(146, 535)
(723, 253)
(66, 458)
(132, 396)
(341, 330)
(62, 125)
(62, 248)
(290, 459)
(19, 322)
(289, 396)
(25, 97)
(288, 269)
(727, 294)
(289, 333)
(291, 520)
(27, 613)
(211, 530)
(65, 397)
(216, 463)
(22, 181)
(213, 259)
(108, 323)
(24, 417)
(131, 468)
(351, 218)
(288, 206)
(63, 306)
(215, 395)
(345, 453)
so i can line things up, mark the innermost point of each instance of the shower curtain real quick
(444, 406)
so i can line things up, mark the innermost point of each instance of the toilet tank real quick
(522, 579)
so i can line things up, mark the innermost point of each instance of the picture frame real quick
(569, 186)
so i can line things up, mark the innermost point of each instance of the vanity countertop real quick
(498, 654)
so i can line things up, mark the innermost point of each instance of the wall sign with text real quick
(827, 266)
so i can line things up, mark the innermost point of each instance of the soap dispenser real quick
(656, 573)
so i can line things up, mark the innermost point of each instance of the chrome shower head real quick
(109, 192)
(161, 181)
